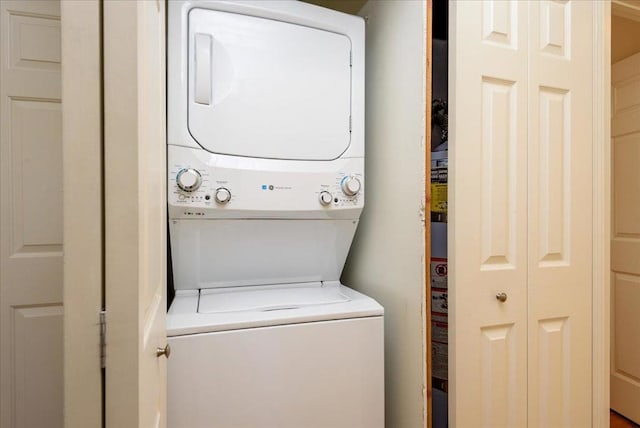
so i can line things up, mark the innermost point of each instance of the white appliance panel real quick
(267, 88)
(313, 375)
(181, 92)
(263, 188)
(227, 253)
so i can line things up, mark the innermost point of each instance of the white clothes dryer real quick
(265, 190)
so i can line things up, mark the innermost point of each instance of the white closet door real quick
(520, 221)
(135, 213)
(488, 214)
(625, 245)
(560, 213)
(30, 215)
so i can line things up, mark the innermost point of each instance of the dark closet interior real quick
(439, 190)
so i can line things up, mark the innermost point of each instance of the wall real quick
(625, 38)
(387, 257)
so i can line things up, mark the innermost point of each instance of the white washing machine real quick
(265, 189)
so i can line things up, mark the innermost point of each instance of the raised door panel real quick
(35, 41)
(553, 176)
(499, 175)
(30, 215)
(36, 175)
(32, 48)
(487, 249)
(560, 219)
(553, 372)
(37, 366)
(499, 375)
(625, 243)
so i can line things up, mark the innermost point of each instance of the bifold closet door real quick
(488, 214)
(520, 213)
(560, 213)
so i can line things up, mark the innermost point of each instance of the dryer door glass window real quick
(267, 89)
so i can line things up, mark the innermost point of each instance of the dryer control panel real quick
(205, 185)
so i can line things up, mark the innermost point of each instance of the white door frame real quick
(601, 210)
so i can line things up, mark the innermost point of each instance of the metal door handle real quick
(502, 297)
(166, 351)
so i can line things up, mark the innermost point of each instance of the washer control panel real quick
(196, 188)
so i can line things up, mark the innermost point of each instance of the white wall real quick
(387, 257)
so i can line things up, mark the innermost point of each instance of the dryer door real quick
(268, 89)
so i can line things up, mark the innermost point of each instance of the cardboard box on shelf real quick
(439, 187)
(439, 331)
(436, 317)
(439, 272)
(440, 360)
(439, 303)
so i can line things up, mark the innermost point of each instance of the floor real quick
(618, 421)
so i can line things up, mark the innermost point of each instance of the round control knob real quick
(325, 198)
(222, 195)
(350, 185)
(189, 179)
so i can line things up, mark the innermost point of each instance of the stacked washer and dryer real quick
(265, 190)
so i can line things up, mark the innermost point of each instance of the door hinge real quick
(349, 123)
(350, 59)
(103, 338)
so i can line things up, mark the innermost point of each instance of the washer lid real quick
(265, 298)
(268, 89)
(185, 316)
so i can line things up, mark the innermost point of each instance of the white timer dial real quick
(351, 185)
(189, 179)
